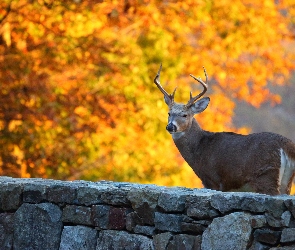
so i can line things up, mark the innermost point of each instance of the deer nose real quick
(171, 127)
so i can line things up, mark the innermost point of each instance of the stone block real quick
(168, 222)
(109, 217)
(291, 247)
(282, 221)
(77, 215)
(6, 179)
(132, 220)
(172, 200)
(78, 238)
(90, 195)
(185, 242)
(117, 218)
(6, 231)
(162, 240)
(37, 225)
(267, 236)
(230, 232)
(275, 205)
(288, 235)
(10, 196)
(144, 202)
(115, 196)
(258, 246)
(62, 194)
(121, 240)
(100, 216)
(258, 221)
(34, 193)
(290, 204)
(145, 230)
(194, 228)
(199, 207)
(227, 202)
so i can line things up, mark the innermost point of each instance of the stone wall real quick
(49, 214)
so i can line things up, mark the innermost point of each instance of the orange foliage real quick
(77, 99)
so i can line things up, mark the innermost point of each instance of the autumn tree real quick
(77, 99)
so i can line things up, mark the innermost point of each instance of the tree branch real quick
(8, 9)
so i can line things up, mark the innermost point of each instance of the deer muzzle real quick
(171, 127)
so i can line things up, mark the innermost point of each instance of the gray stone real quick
(286, 218)
(185, 242)
(232, 231)
(100, 216)
(6, 179)
(267, 236)
(34, 193)
(37, 225)
(132, 220)
(283, 221)
(162, 240)
(275, 205)
(168, 222)
(115, 196)
(144, 202)
(292, 247)
(227, 202)
(258, 246)
(290, 204)
(172, 201)
(10, 196)
(288, 235)
(61, 194)
(6, 231)
(191, 220)
(198, 242)
(146, 230)
(199, 207)
(258, 221)
(195, 228)
(90, 195)
(121, 240)
(77, 215)
(108, 217)
(78, 238)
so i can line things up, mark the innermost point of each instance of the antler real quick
(169, 98)
(193, 99)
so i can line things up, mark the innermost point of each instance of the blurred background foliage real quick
(77, 98)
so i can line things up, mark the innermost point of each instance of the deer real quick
(225, 161)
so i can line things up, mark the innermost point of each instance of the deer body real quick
(225, 161)
(254, 172)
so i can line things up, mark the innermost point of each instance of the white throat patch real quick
(177, 135)
(286, 171)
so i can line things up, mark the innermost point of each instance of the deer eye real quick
(184, 115)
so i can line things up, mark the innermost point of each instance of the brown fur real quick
(230, 162)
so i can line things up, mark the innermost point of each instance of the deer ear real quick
(200, 105)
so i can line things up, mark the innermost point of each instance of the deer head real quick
(181, 115)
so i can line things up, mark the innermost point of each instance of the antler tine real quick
(205, 86)
(168, 97)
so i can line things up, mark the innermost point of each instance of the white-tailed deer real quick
(225, 161)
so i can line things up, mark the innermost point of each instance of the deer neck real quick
(187, 142)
